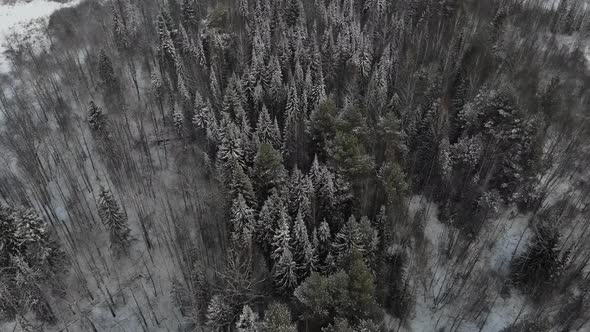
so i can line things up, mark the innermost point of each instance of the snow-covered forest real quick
(295, 165)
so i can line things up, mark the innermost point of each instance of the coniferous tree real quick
(285, 272)
(302, 248)
(277, 318)
(96, 120)
(115, 221)
(248, 321)
(268, 172)
(281, 239)
(242, 221)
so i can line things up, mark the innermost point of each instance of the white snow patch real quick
(25, 19)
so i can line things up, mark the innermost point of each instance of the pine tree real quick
(178, 119)
(201, 112)
(119, 33)
(218, 312)
(326, 195)
(302, 248)
(115, 221)
(347, 240)
(542, 263)
(189, 15)
(277, 318)
(285, 272)
(268, 172)
(248, 321)
(240, 184)
(96, 120)
(281, 239)
(242, 221)
(267, 221)
(107, 73)
(292, 132)
(265, 130)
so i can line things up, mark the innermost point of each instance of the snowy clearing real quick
(25, 18)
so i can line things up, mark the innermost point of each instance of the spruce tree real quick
(247, 321)
(281, 239)
(277, 318)
(302, 248)
(115, 221)
(241, 221)
(347, 240)
(96, 120)
(268, 172)
(285, 272)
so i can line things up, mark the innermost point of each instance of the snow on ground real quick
(503, 236)
(25, 19)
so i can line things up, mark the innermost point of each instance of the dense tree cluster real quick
(30, 260)
(321, 122)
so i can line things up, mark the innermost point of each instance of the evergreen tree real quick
(218, 312)
(542, 263)
(189, 14)
(96, 120)
(178, 119)
(269, 171)
(266, 131)
(248, 321)
(302, 248)
(281, 239)
(240, 184)
(347, 240)
(241, 221)
(268, 221)
(285, 272)
(107, 75)
(277, 318)
(115, 221)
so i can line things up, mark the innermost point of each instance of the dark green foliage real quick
(540, 266)
(347, 294)
(269, 171)
(323, 127)
(277, 318)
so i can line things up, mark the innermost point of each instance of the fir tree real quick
(281, 239)
(248, 321)
(115, 221)
(285, 272)
(302, 248)
(269, 171)
(347, 240)
(178, 119)
(218, 312)
(107, 73)
(189, 14)
(96, 120)
(265, 130)
(242, 221)
(277, 318)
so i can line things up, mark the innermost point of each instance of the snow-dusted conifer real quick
(96, 120)
(302, 248)
(248, 321)
(285, 272)
(178, 120)
(242, 220)
(282, 236)
(114, 220)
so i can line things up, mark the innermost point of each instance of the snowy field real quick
(25, 19)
